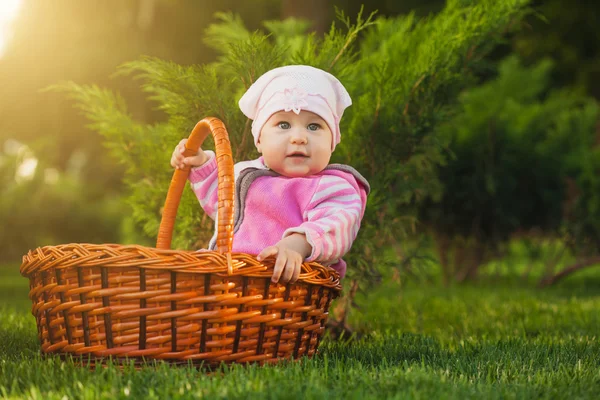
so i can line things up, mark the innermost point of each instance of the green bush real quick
(524, 158)
(403, 77)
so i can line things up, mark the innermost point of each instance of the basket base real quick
(138, 363)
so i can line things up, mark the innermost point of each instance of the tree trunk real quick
(550, 280)
(145, 16)
(469, 271)
(443, 247)
(338, 327)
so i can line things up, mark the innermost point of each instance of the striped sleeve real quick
(204, 180)
(332, 219)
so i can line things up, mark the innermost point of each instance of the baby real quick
(290, 203)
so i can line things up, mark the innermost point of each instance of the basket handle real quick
(226, 186)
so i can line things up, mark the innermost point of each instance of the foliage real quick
(42, 206)
(403, 77)
(494, 341)
(406, 83)
(524, 158)
(85, 42)
(567, 32)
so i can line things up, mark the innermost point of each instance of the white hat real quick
(295, 88)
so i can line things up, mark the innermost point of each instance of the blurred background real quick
(58, 183)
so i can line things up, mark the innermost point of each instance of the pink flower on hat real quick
(294, 99)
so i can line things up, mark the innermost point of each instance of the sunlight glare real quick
(51, 176)
(26, 171)
(8, 12)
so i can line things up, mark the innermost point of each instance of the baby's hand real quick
(291, 252)
(179, 161)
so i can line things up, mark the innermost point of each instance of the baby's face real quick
(295, 144)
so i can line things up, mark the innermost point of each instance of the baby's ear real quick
(258, 146)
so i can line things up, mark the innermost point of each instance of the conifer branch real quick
(412, 91)
(353, 31)
(371, 148)
(245, 135)
(396, 149)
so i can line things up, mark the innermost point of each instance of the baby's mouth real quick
(297, 154)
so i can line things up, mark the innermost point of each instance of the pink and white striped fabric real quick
(326, 207)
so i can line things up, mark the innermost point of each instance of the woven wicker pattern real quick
(203, 307)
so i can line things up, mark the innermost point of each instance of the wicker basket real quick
(135, 302)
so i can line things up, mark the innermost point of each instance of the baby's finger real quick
(175, 161)
(297, 270)
(194, 160)
(267, 252)
(181, 145)
(288, 271)
(279, 267)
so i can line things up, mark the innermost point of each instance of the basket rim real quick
(115, 256)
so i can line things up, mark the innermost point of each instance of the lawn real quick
(496, 340)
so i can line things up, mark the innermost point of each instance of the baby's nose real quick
(298, 139)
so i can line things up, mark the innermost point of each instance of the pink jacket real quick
(327, 207)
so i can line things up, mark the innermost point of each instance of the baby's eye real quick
(314, 127)
(284, 125)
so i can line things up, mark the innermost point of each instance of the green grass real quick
(497, 340)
